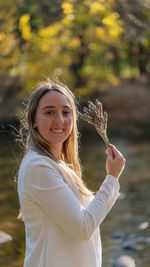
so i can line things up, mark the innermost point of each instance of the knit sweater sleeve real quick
(44, 185)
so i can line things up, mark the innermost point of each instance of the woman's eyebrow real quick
(66, 106)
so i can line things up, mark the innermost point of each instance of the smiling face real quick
(53, 120)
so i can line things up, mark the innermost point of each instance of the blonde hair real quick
(69, 155)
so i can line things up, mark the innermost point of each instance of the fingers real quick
(109, 153)
(115, 151)
(118, 154)
(115, 161)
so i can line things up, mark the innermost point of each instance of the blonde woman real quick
(60, 214)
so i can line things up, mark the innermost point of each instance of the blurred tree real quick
(76, 46)
(89, 44)
(10, 52)
(136, 18)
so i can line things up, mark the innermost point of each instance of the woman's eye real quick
(49, 112)
(67, 112)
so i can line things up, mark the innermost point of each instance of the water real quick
(132, 209)
(127, 216)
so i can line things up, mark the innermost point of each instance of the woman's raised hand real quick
(115, 161)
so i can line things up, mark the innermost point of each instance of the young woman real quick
(60, 214)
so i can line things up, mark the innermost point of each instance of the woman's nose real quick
(59, 117)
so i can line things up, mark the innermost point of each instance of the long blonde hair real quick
(69, 153)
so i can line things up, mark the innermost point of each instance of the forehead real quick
(54, 98)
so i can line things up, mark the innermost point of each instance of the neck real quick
(57, 150)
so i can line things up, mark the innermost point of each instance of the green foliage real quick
(89, 44)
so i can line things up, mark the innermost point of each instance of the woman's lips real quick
(57, 130)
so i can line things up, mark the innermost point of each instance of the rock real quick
(124, 261)
(131, 243)
(143, 226)
(4, 237)
(132, 246)
(117, 235)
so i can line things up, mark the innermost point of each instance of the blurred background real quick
(100, 49)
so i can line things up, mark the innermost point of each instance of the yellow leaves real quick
(130, 71)
(145, 42)
(2, 36)
(66, 21)
(18, 69)
(7, 43)
(101, 33)
(74, 43)
(68, 12)
(49, 31)
(116, 31)
(81, 91)
(94, 46)
(111, 19)
(112, 79)
(110, 2)
(67, 8)
(47, 37)
(24, 19)
(44, 47)
(112, 27)
(65, 37)
(97, 7)
(88, 70)
(24, 26)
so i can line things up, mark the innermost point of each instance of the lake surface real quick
(126, 229)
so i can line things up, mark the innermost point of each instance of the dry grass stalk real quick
(94, 115)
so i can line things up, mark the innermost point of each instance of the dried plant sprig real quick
(94, 115)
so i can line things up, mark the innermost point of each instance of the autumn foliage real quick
(88, 44)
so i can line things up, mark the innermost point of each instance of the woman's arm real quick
(46, 187)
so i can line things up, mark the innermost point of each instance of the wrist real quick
(113, 174)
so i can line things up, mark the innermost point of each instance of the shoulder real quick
(33, 164)
(32, 159)
(38, 169)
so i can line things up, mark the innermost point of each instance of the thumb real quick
(109, 153)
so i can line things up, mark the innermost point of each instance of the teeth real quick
(57, 131)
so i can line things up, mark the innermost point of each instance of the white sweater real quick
(62, 229)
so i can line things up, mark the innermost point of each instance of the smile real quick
(57, 130)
